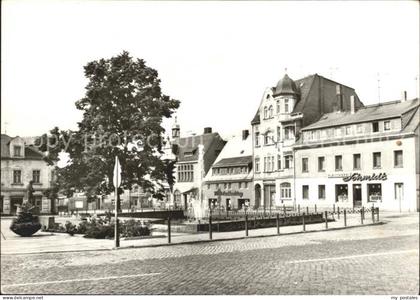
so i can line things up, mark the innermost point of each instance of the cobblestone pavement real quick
(381, 259)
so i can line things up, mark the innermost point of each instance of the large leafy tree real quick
(123, 109)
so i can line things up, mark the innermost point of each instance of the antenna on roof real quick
(379, 89)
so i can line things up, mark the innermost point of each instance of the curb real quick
(198, 241)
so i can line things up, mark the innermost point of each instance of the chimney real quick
(245, 134)
(352, 104)
(339, 97)
(207, 130)
(404, 96)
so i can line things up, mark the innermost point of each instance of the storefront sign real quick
(228, 193)
(359, 177)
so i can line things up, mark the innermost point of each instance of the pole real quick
(278, 224)
(377, 214)
(361, 215)
(303, 222)
(169, 230)
(338, 212)
(373, 214)
(345, 218)
(284, 209)
(326, 220)
(307, 210)
(210, 229)
(246, 225)
(315, 209)
(116, 234)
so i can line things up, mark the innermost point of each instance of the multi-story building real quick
(229, 183)
(21, 163)
(283, 111)
(195, 155)
(362, 157)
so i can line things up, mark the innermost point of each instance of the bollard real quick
(303, 222)
(361, 214)
(246, 225)
(169, 230)
(326, 220)
(377, 214)
(315, 209)
(338, 212)
(307, 210)
(345, 218)
(299, 209)
(278, 224)
(210, 229)
(373, 214)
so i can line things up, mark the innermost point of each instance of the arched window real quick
(265, 112)
(270, 111)
(285, 191)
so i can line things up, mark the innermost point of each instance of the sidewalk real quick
(44, 242)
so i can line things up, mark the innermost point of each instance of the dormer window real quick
(375, 127)
(387, 125)
(17, 151)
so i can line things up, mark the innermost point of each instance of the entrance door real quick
(357, 195)
(399, 193)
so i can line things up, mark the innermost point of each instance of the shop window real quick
(341, 192)
(338, 163)
(398, 159)
(305, 165)
(374, 192)
(321, 192)
(321, 164)
(305, 192)
(285, 191)
(356, 161)
(375, 127)
(376, 160)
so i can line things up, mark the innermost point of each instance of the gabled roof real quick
(234, 161)
(190, 145)
(30, 151)
(382, 111)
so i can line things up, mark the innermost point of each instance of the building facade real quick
(20, 164)
(194, 157)
(283, 111)
(228, 185)
(368, 156)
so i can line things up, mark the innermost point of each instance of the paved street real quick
(382, 259)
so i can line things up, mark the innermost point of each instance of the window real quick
(36, 176)
(17, 176)
(229, 185)
(268, 138)
(278, 162)
(257, 164)
(17, 151)
(270, 111)
(272, 164)
(278, 106)
(265, 164)
(398, 159)
(376, 160)
(356, 161)
(387, 125)
(265, 112)
(321, 192)
(338, 162)
(186, 173)
(348, 130)
(288, 160)
(374, 192)
(359, 128)
(375, 127)
(289, 132)
(245, 185)
(321, 164)
(257, 139)
(278, 134)
(305, 165)
(337, 132)
(285, 190)
(286, 106)
(305, 192)
(208, 186)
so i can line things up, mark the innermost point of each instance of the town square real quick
(210, 148)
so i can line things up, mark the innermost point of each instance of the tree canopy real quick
(123, 109)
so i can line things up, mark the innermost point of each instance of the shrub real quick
(82, 228)
(133, 227)
(70, 228)
(25, 224)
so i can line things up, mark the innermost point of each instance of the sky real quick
(216, 57)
